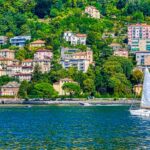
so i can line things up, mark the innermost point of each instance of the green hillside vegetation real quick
(48, 19)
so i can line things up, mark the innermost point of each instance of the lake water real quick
(72, 127)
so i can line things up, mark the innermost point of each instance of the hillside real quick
(48, 19)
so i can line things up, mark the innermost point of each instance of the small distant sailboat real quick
(145, 101)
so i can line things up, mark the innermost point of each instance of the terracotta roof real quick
(38, 42)
(7, 50)
(27, 60)
(11, 85)
(144, 25)
(6, 59)
(81, 35)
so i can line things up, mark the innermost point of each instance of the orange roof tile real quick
(81, 35)
(38, 42)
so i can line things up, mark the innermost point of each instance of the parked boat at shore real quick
(85, 104)
(144, 109)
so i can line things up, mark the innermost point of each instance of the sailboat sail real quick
(146, 90)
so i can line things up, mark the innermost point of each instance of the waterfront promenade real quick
(101, 101)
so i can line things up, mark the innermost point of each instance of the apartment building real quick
(19, 41)
(139, 37)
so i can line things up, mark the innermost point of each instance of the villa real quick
(45, 65)
(13, 69)
(38, 43)
(115, 46)
(58, 85)
(80, 64)
(75, 39)
(10, 89)
(19, 41)
(6, 53)
(121, 52)
(92, 12)
(43, 54)
(27, 62)
(71, 57)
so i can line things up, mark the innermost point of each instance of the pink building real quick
(10, 89)
(27, 62)
(43, 54)
(6, 53)
(88, 55)
(138, 33)
(121, 52)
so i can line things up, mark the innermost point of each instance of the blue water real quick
(72, 127)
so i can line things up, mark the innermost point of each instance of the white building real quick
(75, 39)
(80, 64)
(19, 41)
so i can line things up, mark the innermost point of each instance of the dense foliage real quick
(48, 19)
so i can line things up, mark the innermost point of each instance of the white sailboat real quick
(145, 101)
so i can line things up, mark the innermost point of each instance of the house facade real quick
(115, 46)
(10, 89)
(140, 57)
(139, 37)
(92, 12)
(75, 39)
(80, 64)
(121, 52)
(78, 39)
(43, 54)
(6, 53)
(23, 76)
(45, 65)
(37, 43)
(71, 57)
(19, 41)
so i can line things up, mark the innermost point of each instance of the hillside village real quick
(30, 62)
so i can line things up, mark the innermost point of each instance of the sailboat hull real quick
(140, 112)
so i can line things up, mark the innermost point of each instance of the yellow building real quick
(138, 89)
(58, 85)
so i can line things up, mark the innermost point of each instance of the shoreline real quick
(67, 102)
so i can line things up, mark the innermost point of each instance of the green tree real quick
(71, 88)
(89, 86)
(37, 74)
(23, 89)
(137, 76)
(43, 90)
